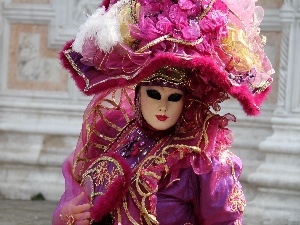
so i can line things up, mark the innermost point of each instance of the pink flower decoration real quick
(205, 3)
(164, 25)
(215, 22)
(191, 32)
(149, 30)
(189, 6)
(178, 17)
(205, 46)
(181, 21)
(212, 21)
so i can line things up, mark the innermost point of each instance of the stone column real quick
(277, 178)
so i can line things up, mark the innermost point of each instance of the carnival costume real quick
(132, 173)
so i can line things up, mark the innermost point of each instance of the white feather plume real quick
(103, 27)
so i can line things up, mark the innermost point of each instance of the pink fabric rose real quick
(148, 29)
(178, 17)
(213, 20)
(190, 7)
(192, 32)
(164, 25)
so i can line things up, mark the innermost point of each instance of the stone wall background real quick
(41, 109)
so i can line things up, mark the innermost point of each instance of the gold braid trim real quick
(168, 38)
(208, 8)
(90, 119)
(131, 219)
(204, 131)
(133, 10)
(75, 67)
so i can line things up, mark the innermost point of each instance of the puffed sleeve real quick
(221, 199)
(72, 190)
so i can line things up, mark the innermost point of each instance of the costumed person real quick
(153, 148)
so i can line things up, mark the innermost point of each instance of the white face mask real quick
(161, 106)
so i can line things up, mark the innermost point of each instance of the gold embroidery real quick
(131, 74)
(169, 74)
(119, 215)
(126, 94)
(186, 138)
(113, 125)
(148, 217)
(238, 222)
(92, 116)
(128, 214)
(101, 135)
(193, 149)
(142, 192)
(236, 199)
(152, 43)
(75, 67)
(103, 147)
(80, 161)
(204, 129)
(142, 188)
(99, 174)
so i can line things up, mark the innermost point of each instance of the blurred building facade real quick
(41, 109)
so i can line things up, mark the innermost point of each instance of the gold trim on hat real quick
(206, 10)
(169, 74)
(168, 38)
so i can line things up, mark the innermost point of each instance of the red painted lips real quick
(161, 117)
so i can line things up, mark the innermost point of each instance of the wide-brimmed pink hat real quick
(125, 42)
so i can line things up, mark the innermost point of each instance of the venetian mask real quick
(161, 106)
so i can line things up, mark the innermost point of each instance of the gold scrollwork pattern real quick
(236, 199)
(114, 100)
(102, 172)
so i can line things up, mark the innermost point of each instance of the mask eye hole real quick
(175, 97)
(153, 94)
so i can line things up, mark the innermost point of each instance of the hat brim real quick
(91, 80)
